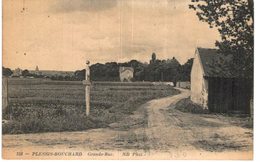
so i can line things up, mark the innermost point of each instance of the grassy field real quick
(40, 105)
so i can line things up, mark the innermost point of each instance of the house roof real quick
(122, 69)
(215, 64)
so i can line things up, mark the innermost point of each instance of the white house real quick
(126, 74)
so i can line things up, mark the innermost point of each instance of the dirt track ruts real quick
(179, 135)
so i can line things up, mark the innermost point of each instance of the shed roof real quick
(215, 64)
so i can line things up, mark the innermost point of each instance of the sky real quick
(63, 34)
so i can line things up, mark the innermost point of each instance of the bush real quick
(186, 105)
(47, 120)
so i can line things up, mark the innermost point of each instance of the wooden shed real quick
(214, 85)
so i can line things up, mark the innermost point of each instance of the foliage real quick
(26, 73)
(187, 106)
(234, 20)
(185, 70)
(157, 70)
(6, 71)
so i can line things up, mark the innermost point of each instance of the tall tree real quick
(234, 20)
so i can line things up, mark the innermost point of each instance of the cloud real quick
(61, 34)
(83, 5)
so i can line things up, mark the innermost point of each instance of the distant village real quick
(37, 73)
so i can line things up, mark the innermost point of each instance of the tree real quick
(6, 71)
(138, 69)
(153, 60)
(159, 70)
(25, 73)
(234, 20)
(80, 74)
(185, 70)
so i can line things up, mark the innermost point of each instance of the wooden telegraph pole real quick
(87, 83)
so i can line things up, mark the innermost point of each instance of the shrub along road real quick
(155, 131)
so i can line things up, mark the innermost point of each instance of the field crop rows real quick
(44, 105)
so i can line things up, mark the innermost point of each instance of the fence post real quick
(5, 96)
(87, 83)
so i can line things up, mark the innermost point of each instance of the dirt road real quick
(196, 134)
(155, 131)
(163, 132)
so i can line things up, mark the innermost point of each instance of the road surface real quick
(155, 131)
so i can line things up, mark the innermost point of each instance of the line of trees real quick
(7, 72)
(157, 70)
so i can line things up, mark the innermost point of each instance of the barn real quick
(214, 85)
(126, 74)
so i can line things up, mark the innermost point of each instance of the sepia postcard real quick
(128, 79)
